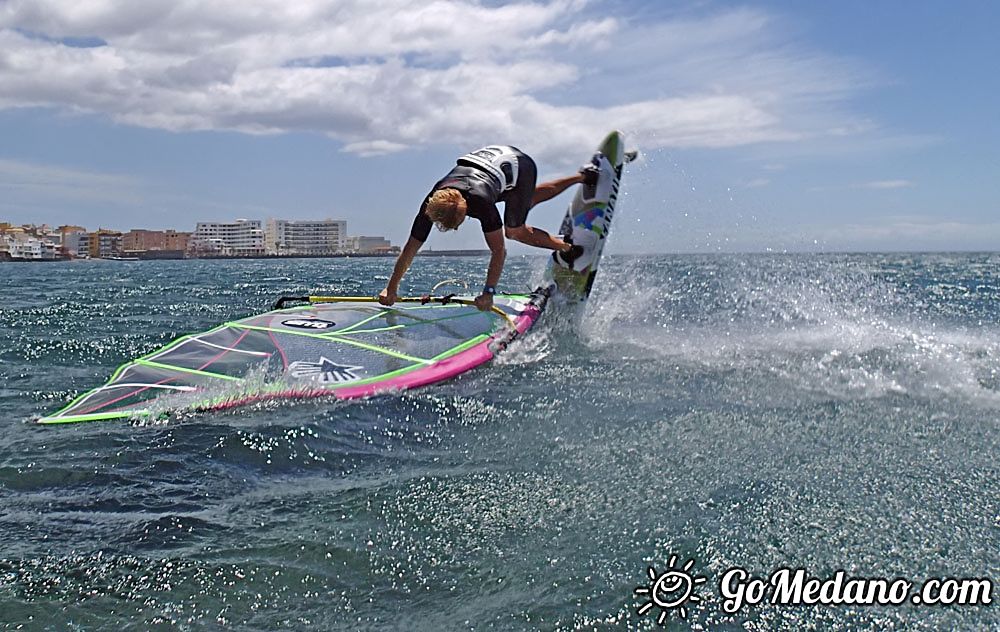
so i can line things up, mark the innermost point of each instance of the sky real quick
(762, 126)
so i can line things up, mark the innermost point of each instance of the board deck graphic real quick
(588, 220)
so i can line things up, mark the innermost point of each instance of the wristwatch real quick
(489, 289)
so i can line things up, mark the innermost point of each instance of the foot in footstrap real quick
(568, 257)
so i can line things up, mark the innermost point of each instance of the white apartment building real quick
(304, 237)
(242, 238)
(367, 244)
(21, 247)
(77, 243)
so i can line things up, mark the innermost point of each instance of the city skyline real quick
(55, 226)
(237, 238)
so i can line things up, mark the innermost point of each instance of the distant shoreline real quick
(366, 255)
(483, 253)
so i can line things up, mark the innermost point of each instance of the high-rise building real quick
(138, 239)
(70, 245)
(155, 244)
(304, 237)
(242, 238)
(76, 243)
(174, 240)
(105, 243)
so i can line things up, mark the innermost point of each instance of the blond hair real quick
(445, 207)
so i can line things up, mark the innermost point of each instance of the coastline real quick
(358, 255)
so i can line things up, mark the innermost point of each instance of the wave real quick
(843, 327)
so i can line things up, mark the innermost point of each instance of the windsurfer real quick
(496, 173)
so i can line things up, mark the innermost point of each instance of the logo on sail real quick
(308, 323)
(325, 371)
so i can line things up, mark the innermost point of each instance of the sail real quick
(331, 347)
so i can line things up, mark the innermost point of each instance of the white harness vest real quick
(500, 161)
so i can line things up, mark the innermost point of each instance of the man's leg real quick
(525, 195)
(535, 237)
(548, 190)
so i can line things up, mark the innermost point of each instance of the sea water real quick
(819, 412)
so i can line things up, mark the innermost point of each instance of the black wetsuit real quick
(484, 178)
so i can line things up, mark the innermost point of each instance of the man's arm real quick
(389, 294)
(498, 253)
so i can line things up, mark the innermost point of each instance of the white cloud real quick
(383, 75)
(886, 184)
(875, 185)
(374, 147)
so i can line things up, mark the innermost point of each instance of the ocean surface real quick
(817, 411)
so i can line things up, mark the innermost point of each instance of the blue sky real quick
(764, 126)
